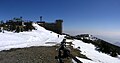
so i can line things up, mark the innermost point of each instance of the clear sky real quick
(97, 17)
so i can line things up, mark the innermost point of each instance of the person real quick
(66, 52)
(63, 42)
(63, 51)
(58, 36)
(62, 46)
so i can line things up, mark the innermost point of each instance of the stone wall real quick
(55, 27)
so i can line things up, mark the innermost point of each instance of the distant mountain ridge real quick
(117, 43)
(100, 44)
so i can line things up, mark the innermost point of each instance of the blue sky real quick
(97, 17)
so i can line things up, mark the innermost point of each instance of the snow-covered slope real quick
(38, 37)
(90, 52)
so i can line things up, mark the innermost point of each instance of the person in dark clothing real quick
(63, 51)
(58, 36)
(63, 44)
(66, 52)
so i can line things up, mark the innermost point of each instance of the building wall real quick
(55, 27)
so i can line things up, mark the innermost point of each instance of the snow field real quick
(38, 37)
(90, 52)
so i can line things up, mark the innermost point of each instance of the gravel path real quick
(31, 55)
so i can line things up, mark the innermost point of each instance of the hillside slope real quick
(38, 37)
(91, 53)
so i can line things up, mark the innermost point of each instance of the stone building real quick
(55, 27)
(23, 25)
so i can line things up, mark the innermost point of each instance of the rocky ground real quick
(42, 54)
(39, 54)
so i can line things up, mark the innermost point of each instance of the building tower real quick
(59, 26)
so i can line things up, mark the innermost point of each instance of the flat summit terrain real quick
(42, 54)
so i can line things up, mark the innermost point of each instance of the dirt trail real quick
(31, 55)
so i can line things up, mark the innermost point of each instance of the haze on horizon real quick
(96, 17)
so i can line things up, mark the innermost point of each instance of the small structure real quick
(18, 25)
